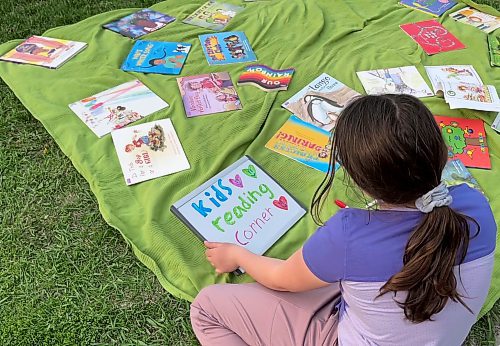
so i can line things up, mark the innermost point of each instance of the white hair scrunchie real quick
(437, 197)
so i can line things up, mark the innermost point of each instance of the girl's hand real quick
(223, 256)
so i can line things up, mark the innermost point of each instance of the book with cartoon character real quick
(117, 107)
(149, 150)
(208, 93)
(453, 74)
(213, 15)
(139, 23)
(494, 50)
(432, 7)
(44, 51)
(397, 80)
(242, 205)
(466, 140)
(227, 48)
(455, 173)
(483, 21)
(471, 96)
(432, 36)
(157, 57)
(321, 101)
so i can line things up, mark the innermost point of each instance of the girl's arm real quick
(282, 275)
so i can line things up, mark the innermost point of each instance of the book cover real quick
(321, 101)
(471, 96)
(466, 140)
(453, 74)
(432, 36)
(227, 48)
(44, 51)
(208, 93)
(432, 7)
(157, 57)
(397, 80)
(455, 173)
(496, 123)
(266, 78)
(139, 23)
(117, 107)
(149, 151)
(213, 15)
(304, 143)
(494, 49)
(483, 21)
(242, 205)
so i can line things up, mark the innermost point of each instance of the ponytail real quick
(437, 244)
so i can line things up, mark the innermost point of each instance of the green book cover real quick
(494, 47)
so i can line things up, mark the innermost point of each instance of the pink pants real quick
(251, 314)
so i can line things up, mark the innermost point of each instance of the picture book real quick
(44, 51)
(242, 205)
(303, 142)
(117, 107)
(471, 96)
(213, 15)
(432, 7)
(466, 140)
(321, 101)
(453, 74)
(149, 151)
(140, 23)
(157, 57)
(496, 123)
(455, 173)
(494, 49)
(266, 78)
(483, 21)
(227, 48)
(397, 80)
(432, 36)
(208, 93)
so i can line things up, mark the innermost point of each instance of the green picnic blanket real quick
(336, 37)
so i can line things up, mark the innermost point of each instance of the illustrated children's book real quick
(471, 96)
(242, 205)
(483, 21)
(432, 36)
(157, 57)
(213, 15)
(453, 74)
(494, 48)
(432, 7)
(496, 123)
(321, 101)
(140, 23)
(466, 140)
(303, 142)
(117, 107)
(455, 173)
(227, 48)
(148, 151)
(44, 51)
(208, 93)
(266, 78)
(397, 80)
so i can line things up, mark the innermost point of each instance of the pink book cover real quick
(432, 36)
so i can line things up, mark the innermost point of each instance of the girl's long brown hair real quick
(392, 148)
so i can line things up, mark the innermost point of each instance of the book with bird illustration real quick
(139, 23)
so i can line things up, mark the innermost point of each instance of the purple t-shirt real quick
(363, 249)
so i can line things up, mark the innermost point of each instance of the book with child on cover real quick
(139, 23)
(242, 205)
(148, 151)
(44, 51)
(466, 140)
(213, 15)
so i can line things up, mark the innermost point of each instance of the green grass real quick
(66, 277)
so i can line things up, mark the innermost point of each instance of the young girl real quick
(414, 272)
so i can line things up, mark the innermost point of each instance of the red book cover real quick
(466, 140)
(432, 36)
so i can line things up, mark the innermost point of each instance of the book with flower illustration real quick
(149, 150)
(432, 7)
(44, 51)
(117, 107)
(139, 23)
(213, 15)
(466, 140)
(242, 205)
(480, 20)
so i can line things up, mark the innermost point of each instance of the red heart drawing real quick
(281, 203)
(236, 181)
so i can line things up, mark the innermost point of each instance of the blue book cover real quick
(227, 48)
(432, 7)
(157, 57)
(140, 23)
